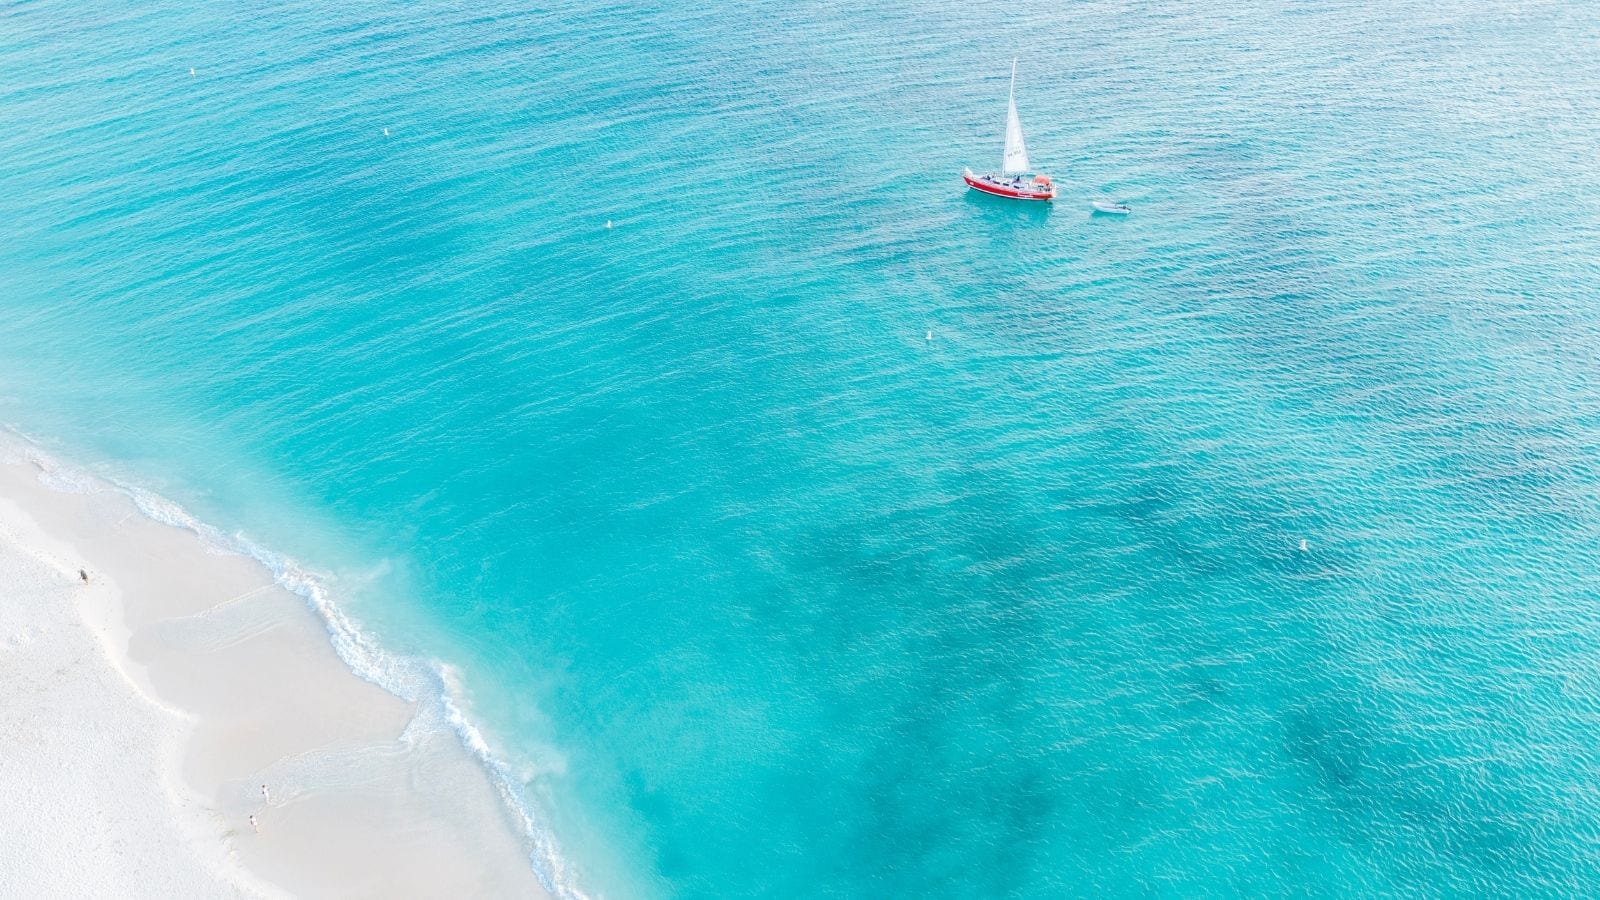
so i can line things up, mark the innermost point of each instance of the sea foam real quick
(433, 685)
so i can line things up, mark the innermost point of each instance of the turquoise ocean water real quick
(753, 588)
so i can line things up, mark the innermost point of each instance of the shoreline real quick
(228, 699)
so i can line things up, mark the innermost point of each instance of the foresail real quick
(1016, 161)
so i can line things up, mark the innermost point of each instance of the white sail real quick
(1016, 159)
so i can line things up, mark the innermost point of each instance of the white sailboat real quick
(1014, 180)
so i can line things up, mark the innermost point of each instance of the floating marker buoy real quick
(191, 71)
(930, 334)
(608, 223)
(1304, 545)
(386, 132)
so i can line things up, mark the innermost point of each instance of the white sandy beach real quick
(144, 711)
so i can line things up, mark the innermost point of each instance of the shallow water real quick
(761, 590)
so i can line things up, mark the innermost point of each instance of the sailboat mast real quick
(1015, 160)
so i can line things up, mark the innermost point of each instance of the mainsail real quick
(1016, 159)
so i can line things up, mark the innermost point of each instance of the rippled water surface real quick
(821, 529)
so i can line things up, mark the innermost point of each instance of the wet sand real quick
(147, 708)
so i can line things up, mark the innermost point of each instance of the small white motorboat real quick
(1115, 209)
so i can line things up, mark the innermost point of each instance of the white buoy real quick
(1304, 545)
(191, 71)
(930, 334)
(608, 223)
(386, 132)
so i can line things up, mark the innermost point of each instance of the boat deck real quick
(1018, 187)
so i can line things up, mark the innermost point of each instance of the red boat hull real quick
(1024, 191)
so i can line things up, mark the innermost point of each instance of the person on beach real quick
(264, 795)
(84, 575)
(253, 826)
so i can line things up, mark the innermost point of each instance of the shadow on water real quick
(1005, 209)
